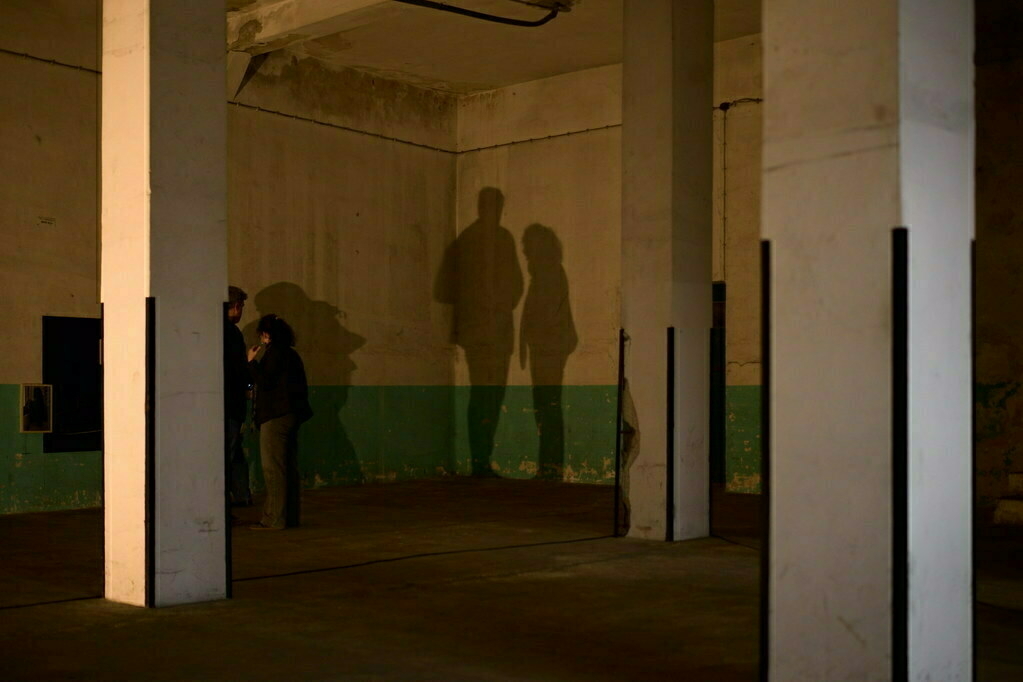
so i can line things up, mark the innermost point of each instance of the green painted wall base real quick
(555, 432)
(742, 439)
(31, 480)
(999, 433)
(363, 434)
(998, 409)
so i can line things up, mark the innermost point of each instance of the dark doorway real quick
(71, 363)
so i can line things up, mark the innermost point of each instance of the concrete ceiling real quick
(443, 51)
(736, 18)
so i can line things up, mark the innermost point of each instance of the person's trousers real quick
(236, 468)
(278, 450)
(488, 374)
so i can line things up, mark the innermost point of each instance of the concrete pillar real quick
(666, 256)
(164, 236)
(869, 126)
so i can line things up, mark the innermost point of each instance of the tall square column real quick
(164, 239)
(667, 137)
(869, 128)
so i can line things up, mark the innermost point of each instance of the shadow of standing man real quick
(480, 277)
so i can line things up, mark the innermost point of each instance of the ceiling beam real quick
(265, 27)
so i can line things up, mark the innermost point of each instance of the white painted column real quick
(868, 126)
(164, 236)
(666, 254)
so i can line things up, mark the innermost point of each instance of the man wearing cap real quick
(236, 386)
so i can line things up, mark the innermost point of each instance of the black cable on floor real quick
(735, 542)
(45, 603)
(424, 555)
(998, 606)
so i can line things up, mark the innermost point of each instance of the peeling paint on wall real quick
(999, 437)
(247, 33)
(742, 439)
(364, 434)
(309, 88)
(32, 480)
(343, 233)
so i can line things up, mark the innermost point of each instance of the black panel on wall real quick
(71, 362)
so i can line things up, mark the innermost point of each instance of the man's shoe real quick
(260, 526)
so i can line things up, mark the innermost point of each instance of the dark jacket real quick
(281, 386)
(236, 372)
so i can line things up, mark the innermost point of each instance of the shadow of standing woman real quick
(547, 336)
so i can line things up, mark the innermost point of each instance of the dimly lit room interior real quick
(643, 339)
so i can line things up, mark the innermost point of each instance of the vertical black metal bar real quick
(228, 564)
(228, 529)
(669, 483)
(46, 374)
(973, 457)
(718, 405)
(900, 453)
(712, 460)
(228, 526)
(103, 431)
(44, 369)
(619, 431)
(150, 451)
(765, 459)
(717, 387)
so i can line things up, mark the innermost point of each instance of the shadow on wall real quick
(547, 336)
(480, 277)
(325, 346)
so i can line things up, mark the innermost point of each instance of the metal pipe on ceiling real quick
(430, 4)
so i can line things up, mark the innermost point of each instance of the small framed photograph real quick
(36, 408)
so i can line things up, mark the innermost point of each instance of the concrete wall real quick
(999, 398)
(346, 192)
(345, 98)
(738, 85)
(345, 219)
(553, 148)
(338, 222)
(48, 221)
(999, 248)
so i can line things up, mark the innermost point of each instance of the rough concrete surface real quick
(48, 205)
(738, 91)
(454, 579)
(444, 580)
(66, 31)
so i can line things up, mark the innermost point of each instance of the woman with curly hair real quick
(281, 406)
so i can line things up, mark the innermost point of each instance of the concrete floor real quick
(448, 580)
